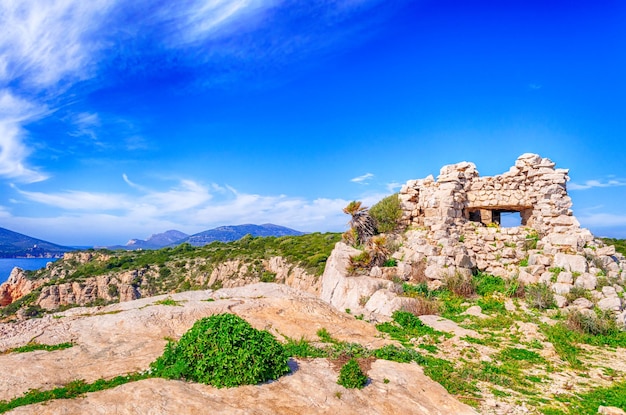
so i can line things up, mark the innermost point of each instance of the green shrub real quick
(598, 323)
(387, 213)
(302, 348)
(391, 262)
(539, 296)
(491, 302)
(268, 276)
(351, 375)
(360, 263)
(224, 351)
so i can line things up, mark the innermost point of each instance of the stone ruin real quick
(454, 225)
(532, 188)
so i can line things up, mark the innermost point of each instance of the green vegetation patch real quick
(587, 403)
(406, 326)
(169, 301)
(31, 347)
(73, 389)
(351, 375)
(387, 213)
(224, 351)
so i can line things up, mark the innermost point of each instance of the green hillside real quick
(17, 245)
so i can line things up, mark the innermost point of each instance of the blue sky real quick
(118, 121)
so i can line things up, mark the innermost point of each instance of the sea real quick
(7, 264)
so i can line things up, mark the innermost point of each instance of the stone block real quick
(606, 250)
(582, 303)
(545, 278)
(463, 261)
(609, 292)
(561, 288)
(612, 303)
(586, 281)
(573, 263)
(527, 278)
(565, 277)
(560, 301)
(434, 272)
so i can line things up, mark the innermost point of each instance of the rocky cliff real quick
(61, 288)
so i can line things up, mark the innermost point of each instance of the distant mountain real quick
(158, 240)
(233, 233)
(155, 241)
(17, 245)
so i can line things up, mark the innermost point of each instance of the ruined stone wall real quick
(450, 230)
(532, 187)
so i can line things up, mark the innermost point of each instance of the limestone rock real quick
(582, 303)
(609, 292)
(126, 337)
(475, 311)
(343, 291)
(611, 303)
(565, 277)
(17, 286)
(573, 263)
(561, 288)
(610, 410)
(384, 302)
(586, 281)
(560, 301)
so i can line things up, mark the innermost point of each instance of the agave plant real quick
(362, 222)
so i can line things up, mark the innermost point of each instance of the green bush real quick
(224, 351)
(268, 276)
(539, 296)
(387, 213)
(598, 323)
(351, 375)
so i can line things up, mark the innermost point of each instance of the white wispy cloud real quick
(362, 179)
(15, 111)
(187, 206)
(78, 200)
(393, 187)
(48, 46)
(45, 47)
(602, 220)
(45, 42)
(85, 124)
(590, 184)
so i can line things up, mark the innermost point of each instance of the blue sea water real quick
(7, 264)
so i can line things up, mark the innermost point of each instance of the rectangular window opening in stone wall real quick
(506, 218)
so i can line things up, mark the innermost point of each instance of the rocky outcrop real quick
(348, 292)
(293, 275)
(90, 290)
(126, 337)
(453, 226)
(147, 281)
(17, 286)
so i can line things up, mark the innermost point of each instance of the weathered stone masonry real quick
(450, 229)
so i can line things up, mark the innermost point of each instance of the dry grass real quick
(460, 285)
(421, 306)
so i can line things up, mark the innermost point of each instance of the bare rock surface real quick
(310, 389)
(125, 337)
(448, 326)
